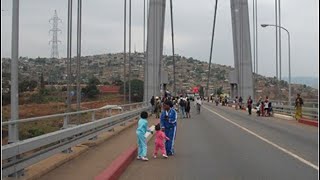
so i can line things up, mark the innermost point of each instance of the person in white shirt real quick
(198, 104)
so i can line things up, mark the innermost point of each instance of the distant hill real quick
(309, 81)
(190, 72)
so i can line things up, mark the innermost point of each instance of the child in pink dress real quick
(159, 144)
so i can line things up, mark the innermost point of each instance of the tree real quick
(220, 91)
(220, 75)
(201, 91)
(283, 83)
(6, 98)
(26, 85)
(41, 81)
(137, 89)
(117, 82)
(94, 80)
(91, 90)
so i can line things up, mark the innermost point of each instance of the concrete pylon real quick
(155, 33)
(242, 81)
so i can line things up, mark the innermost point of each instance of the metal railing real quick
(22, 154)
(107, 109)
(309, 113)
(310, 103)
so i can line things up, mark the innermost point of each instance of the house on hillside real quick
(109, 89)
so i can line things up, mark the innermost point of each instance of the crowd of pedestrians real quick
(167, 110)
(263, 107)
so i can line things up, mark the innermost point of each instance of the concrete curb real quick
(45, 166)
(308, 122)
(281, 116)
(120, 164)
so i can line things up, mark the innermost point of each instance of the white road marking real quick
(267, 141)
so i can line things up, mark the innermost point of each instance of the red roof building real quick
(109, 89)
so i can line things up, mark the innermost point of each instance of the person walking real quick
(217, 100)
(168, 122)
(198, 104)
(188, 108)
(249, 105)
(298, 106)
(266, 107)
(159, 142)
(237, 102)
(157, 107)
(240, 102)
(182, 104)
(152, 102)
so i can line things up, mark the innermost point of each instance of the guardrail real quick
(311, 103)
(65, 115)
(19, 155)
(310, 113)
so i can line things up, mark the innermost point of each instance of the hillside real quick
(309, 81)
(108, 68)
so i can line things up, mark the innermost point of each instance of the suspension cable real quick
(124, 51)
(129, 77)
(213, 28)
(173, 59)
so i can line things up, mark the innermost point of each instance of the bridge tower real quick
(155, 33)
(241, 80)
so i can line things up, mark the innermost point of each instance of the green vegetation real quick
(26, 85)
(6, 97)
(137, 90)
(34, 129)
(219, 91)
(201, 91)
(117, 82)
(91, 90)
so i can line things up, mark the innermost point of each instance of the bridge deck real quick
(210, 147)
(96, 159)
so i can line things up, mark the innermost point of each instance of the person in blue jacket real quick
(168, 122)
(141, 131)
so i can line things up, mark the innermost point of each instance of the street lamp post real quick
(289, 57)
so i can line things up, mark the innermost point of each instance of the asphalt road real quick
(222, 143)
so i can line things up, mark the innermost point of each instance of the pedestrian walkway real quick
(97, 158)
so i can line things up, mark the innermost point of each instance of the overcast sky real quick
(103, 30)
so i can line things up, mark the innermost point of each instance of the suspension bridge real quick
(218, 143)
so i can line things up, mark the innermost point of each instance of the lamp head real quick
(264, 25)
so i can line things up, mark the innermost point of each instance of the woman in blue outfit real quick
(141, 131)
(168, 122)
